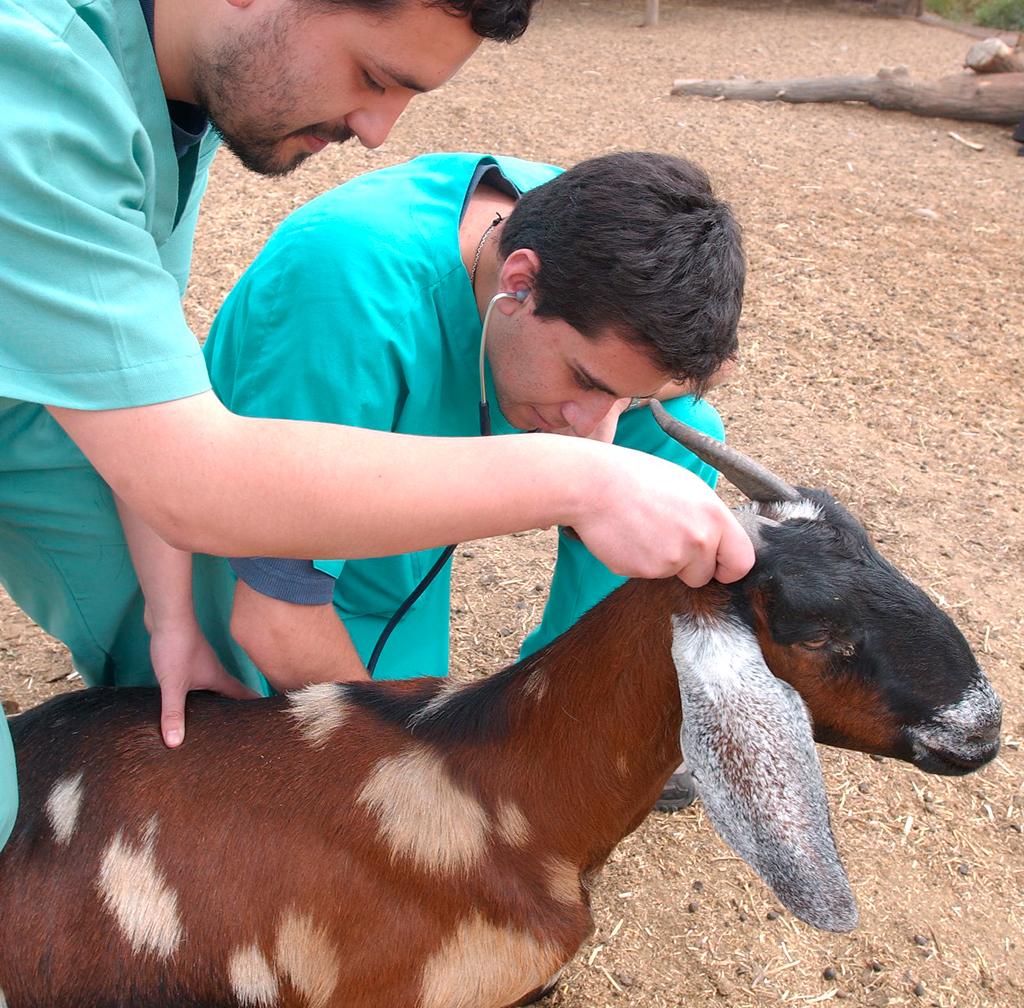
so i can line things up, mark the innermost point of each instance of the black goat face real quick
(881, 668)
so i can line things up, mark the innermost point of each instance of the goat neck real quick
(600, 706)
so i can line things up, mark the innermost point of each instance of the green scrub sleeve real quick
(92, 319)
(303, 335)
(8, 784)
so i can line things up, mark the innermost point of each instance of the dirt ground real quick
(882, 341)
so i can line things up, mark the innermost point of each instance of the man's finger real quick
(172, 714)
(699, 571)
(735, 555)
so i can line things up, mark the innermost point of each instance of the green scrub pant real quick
(64, 560)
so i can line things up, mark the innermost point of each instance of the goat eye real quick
(816, 643)
(834, 645)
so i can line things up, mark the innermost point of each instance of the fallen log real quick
(991, 98)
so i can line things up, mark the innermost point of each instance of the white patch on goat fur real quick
(252, 980)
(950, 728)
(563, 880)
(482, 964)
(424, 815)
(318, 711)
(716, 651)
(511, 825)
(62, 808)
(305, 954)
(135, 892)
(3, 1000)
(782, 511)
(436, 703)
(536, 684)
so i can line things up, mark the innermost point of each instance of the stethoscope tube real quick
(446, 553)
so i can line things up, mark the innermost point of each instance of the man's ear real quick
(519, 271)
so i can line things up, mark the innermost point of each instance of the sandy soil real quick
(882, 359)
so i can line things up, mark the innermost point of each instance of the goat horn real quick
(748, 476)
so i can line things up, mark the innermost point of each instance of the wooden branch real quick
(993, 98)
(994, 56)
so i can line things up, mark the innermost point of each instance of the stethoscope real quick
(485, 430)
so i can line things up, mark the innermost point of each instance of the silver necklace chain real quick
(480, 248)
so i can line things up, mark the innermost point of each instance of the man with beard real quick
(104, 151)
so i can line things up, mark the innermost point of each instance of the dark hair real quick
(498, 20)
(638, 243)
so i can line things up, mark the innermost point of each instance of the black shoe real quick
(679, 792)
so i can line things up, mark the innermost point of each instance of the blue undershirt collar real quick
(188, 122)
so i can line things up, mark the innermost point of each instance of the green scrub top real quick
(359, 311)
(96, 229)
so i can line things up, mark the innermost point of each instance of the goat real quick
(418, 844)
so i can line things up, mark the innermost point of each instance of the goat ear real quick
(747, 740)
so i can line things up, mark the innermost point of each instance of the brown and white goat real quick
(424, 845)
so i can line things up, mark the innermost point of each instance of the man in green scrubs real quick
(365, 308)
(104, 149)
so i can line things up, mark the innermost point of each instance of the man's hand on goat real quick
(651, 518)
(183, 660)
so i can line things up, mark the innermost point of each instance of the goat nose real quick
(961, 737)
(986, 734)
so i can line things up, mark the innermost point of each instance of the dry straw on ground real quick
(882, 358)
